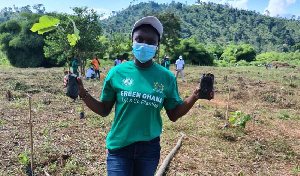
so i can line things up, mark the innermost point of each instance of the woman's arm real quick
(181, 109)
(103, 108)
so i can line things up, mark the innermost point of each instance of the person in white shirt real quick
(117, 61)
(89, 73)
(179, 64)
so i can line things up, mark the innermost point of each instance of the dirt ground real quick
(64, 144)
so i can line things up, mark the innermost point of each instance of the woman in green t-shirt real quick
(140, 89)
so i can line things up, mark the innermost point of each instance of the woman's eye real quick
(151, 42)
(137, 40)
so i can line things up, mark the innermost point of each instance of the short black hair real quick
(146, 26)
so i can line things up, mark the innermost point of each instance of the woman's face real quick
(146, 35)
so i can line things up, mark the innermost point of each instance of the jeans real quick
(137, 159)
(97, 74)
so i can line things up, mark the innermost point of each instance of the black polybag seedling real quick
(206, 87)
(72, 87)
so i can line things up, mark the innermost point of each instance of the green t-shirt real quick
(75, 66)
(167, 64)
(140, 94)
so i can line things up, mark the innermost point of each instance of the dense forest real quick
(216, 23)
(204, 33)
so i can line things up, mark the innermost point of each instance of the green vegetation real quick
(238, 119)
(22, 47)
(215, 23)
(3, 59)
(204, 33)
(23, 158)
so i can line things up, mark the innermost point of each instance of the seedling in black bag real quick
(72, 87)
(206, 87)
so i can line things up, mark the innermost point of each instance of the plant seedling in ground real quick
(238, 119)
(24, 159)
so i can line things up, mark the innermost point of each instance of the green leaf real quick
(46, 24)
(247, 117)
(72, 39)
(231, 119)
(238, 113)
(46, 29)
(76, 31)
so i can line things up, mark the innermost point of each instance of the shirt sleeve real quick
(108, 92)
(172, 96)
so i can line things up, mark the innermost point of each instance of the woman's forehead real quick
(146, 32)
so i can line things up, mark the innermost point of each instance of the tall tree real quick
(22, 47)
(87, 23)
(171, 34)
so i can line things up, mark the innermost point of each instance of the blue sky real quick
(284, 8)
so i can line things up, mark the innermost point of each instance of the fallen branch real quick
(46, 173)
(167, 160)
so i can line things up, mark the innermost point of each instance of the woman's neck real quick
(147, 64)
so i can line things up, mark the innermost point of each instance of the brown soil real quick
(64, 144)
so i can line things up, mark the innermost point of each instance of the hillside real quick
(215, 23)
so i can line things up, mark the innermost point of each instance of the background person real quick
(75, 66)
(140, 89)
(90, 73)
(66, 78)
(96, 63)
(117, 61)
(167, 63)
(179, 64)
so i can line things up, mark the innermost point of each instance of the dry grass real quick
(67, 145)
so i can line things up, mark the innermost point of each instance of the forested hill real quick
(215, 23)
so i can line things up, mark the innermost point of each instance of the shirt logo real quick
(127, 82)
(158, 87)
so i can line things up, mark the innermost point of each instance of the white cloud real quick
(240, 4)
(104, 13)
(277, 7)
(214, 1)
(100, 10)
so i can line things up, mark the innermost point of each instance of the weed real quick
(45, 132)
(284, 116)
(21, 86)
(2, 121)
(96, 121)
(53, 165)
(64, 124)
(186, 93)
(72, 167)
(296, 169)
(52, 123)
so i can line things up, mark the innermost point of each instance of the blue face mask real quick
(143, 52)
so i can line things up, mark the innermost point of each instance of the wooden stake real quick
(31, 138)
(82, 103)
(167, 160)
(227, 106)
